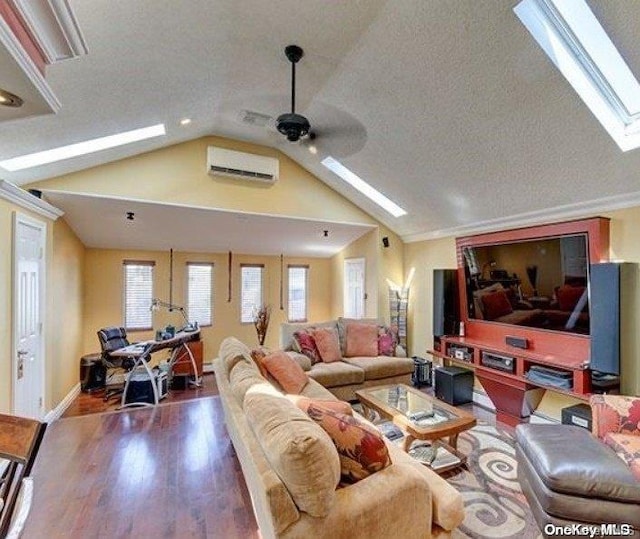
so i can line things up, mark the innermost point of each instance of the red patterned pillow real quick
(496, 305)
(327, 343)
(360, 446)
(307, 345)
(387, 340)
(568, 296)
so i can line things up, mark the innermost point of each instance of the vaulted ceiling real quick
(449, 108)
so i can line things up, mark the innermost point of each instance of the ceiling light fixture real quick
(82, 148)
(185, 121)
(358, 183)
(7, 99)
(574, 40)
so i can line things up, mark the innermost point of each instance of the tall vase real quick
(532, 275)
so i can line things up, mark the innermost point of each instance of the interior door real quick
(354, 288)
(28, 338)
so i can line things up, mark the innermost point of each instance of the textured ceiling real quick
(449, 108)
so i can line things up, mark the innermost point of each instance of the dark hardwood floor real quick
(164, 472)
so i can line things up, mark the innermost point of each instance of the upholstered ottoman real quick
(569, 477)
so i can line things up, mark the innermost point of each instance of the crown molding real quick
(558, 213)
(24, 199)
(24, 61)
(53, 26)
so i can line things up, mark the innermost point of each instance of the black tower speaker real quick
(446, 304)
(604, 283)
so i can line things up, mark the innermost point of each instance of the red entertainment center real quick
(501, 354)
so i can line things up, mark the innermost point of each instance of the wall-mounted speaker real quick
(385, 242)
(614, 318)
(446, 302)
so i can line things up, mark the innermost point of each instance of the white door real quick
(354, 288)
(28, 339)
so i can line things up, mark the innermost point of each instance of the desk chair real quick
(20, 440)
(111, 339)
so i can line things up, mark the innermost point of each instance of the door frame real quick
(21, 218)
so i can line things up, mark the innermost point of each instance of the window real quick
(298, 293)
(251, 290)
(138, 293)
(354, 295)
(200, 293)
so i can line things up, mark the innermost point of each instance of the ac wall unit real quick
(248, 166)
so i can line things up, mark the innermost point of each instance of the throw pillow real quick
(342, 329)
(304, 403)
(361, 447)
(286, 371)
(496, 305)
(307, 345)
(387, 340)
(257, 354)
(362, 340)
(327, 343)
(568, 296)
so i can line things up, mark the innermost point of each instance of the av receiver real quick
(462, 353)
(496, 361)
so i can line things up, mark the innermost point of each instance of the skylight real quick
(576, 43)
(358, 183)
(81, 148)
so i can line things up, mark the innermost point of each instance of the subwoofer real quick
(446, 303)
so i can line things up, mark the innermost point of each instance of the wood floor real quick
(163, 472)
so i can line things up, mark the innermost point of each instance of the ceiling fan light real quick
(293, 126)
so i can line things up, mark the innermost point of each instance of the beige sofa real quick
(403, 500)
(344, 378)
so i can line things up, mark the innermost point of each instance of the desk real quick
(141, 353)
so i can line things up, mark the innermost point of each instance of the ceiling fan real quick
(293, 126)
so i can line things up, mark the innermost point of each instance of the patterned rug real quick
(495, 505)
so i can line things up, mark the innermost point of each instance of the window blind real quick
(251, 291)
(138, 293)
(200, 293)
(297, 282)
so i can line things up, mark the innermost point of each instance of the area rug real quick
(494, 503)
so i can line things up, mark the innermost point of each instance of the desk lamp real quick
(158, 303)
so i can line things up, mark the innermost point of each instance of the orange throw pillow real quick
(304, 403)
(286, 371)
(327, 344)
(362, 340)
(361, 447)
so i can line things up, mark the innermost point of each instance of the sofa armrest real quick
(614, 413)
(392, 503)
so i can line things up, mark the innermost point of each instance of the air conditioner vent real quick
(222, 162)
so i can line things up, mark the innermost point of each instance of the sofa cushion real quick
(336, 374)
(306, 344)
(299, 451)
(360, 445)
(242, 377)
(286, 371)
(376, 368)
(334, 405)
(300, 359)
(342, 329)
(288, 329)
(327, 343)
(314, 390)
(362, 340)
(232, 351)
(627, 447)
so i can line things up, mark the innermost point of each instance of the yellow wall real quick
(177, 174)
(63, 315)
(65, 321)
(103, 298)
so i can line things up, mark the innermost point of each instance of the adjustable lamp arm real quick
(158, 303)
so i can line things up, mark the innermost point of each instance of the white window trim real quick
(576, 43)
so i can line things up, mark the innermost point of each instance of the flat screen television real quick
(536, 283)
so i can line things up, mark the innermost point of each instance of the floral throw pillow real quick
(307, 345)
(360, 446)
(387, 340)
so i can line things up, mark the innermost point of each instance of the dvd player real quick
(496, 361)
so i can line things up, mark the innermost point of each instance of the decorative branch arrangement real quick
(261, 318)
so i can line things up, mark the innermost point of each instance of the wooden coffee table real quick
(419, 415)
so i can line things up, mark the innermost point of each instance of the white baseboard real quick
(57, 412)
(541, 419)
(207, 367)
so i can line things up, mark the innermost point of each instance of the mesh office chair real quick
(111, 339)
